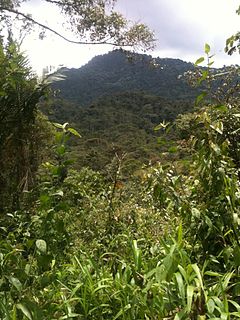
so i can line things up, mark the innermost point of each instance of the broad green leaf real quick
(183, 272)
(221, 108)
(236, 305)
(61, 149)
(205, 74)
(207, 48)
(198, 273)
(15, 282)
(180, 283)
(58, 125)
(25, 310)
(190, 291)
(41, 245)
(210, 305)
(74, 132)
(226, 280)
(199, 60)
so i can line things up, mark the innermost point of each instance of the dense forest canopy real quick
(118, 71)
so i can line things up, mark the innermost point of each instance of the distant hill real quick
(116, 100)
(121, 124)
(118, 72)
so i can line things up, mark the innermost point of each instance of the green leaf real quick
(180, 234)
(236, 305)
(74, 132)
(41, 245)
(200, 97)
(61, 149)
(236, 256)
(180, 285)
(122, 311)
(210, 305)
(58, 125)
(173, 149)
(199, 60)
(198, 273)
(207, 48)
(25, 310)
(190, 291)
(137, 255)
(213, 274)
(227, 278)
(221, 108)
(16, 283)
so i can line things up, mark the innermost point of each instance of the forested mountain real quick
(116, 100)
(118, 71)
(122, 123)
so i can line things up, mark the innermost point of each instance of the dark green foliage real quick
(19, 127)
(162, 244)
(122, 124)
(117, 72)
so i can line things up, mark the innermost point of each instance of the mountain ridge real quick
(116, 72)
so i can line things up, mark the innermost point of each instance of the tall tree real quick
(90, 21)
(19, 95)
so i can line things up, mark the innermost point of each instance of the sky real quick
(181, 27)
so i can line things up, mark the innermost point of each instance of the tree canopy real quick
(233, 42)
(90, 21)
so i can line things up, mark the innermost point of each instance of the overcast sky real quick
(182, 27)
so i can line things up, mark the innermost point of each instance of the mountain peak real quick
(119, 71)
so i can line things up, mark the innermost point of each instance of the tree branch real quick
(27, 17)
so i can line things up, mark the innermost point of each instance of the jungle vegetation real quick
(83, 244)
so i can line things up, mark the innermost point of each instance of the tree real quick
(233, 42)
(20, 136)
(91, 21)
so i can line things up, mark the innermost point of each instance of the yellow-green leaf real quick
(207, 48)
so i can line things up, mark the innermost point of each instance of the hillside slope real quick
(117, 72)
